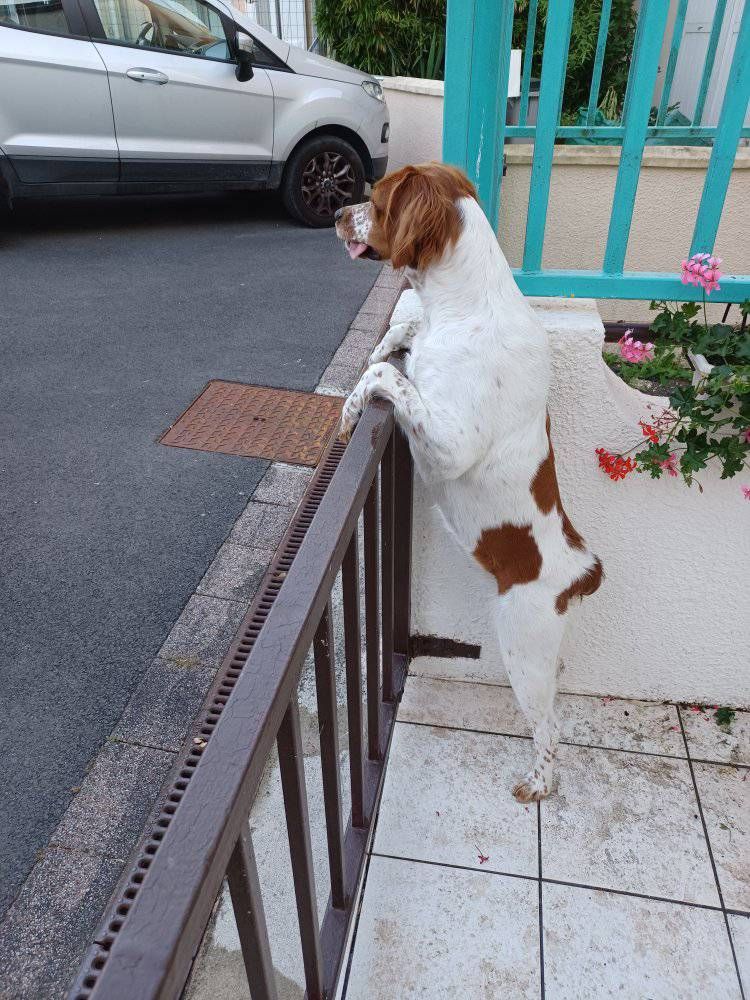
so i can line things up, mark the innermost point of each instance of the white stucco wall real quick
(672, 619)
(581, 190)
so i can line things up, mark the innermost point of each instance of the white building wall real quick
(672, 619)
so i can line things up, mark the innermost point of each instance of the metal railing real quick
(478, 46)
(155, 923)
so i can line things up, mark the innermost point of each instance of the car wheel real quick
(321, 176)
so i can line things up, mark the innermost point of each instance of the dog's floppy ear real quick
(421, 215)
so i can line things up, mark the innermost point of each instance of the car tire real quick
(322, 175)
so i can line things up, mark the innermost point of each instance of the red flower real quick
(615, 466)
(649, 432)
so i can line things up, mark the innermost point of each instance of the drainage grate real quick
(257, 422)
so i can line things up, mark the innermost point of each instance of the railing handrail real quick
(147, 952)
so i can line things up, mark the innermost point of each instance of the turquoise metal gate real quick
(476, 82)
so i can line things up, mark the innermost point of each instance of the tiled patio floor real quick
(631, 881)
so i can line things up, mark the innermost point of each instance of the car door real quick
(55, 109)
(180, 113)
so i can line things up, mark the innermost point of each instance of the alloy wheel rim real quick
(327, 183)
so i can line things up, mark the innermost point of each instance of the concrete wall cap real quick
(670, 157)
(413, 85)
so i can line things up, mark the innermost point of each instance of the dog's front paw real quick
(378, 355)
(350, 415)
(531, 789)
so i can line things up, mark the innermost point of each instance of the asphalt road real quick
(113, 316)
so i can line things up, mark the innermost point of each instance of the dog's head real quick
(411, 218)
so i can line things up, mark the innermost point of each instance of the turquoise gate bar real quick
(478, 44)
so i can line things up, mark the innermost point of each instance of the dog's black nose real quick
(338, 213)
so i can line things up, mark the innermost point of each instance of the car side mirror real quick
(244, 69)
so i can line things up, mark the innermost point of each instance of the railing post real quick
(291, 765)
(674, 50)
(641, 80)
(528, 59)
(325, 688)
(372, 632)
(708, 62)
(244, 888)
(353, 656)
(386, 568)
(720, 165)
(403, 517)
(477, 64)
(554, 62)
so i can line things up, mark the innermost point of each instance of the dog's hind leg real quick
(530, 631)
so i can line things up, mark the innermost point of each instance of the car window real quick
(37, 15)
(188, 27)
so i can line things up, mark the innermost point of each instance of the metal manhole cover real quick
(257, 422)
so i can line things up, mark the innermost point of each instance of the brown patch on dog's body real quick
(510, 554)
(546, 495)
(584, 586)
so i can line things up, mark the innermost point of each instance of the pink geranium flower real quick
(669, 465)
(702, 269)
(633, 350)
(745, 492)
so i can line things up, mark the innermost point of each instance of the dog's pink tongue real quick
(356, 249)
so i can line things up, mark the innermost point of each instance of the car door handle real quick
(147, 76)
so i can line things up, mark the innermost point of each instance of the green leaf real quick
(724, 716)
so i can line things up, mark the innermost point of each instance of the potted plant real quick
(704, 369)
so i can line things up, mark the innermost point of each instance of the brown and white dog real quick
(473, 405)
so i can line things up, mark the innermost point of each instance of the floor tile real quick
(620, 725)
(458, 668)
(626, 821)
(463, 705)
(599, 944)
(725, 797)
(740, 930)
(433, 932)
(447, 798)
(607, 722)
(709, 741)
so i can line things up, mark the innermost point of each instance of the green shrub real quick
(385, 37)
(407, 38)
(583, 38)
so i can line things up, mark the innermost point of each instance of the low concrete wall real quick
(672, 619)
(581, 190)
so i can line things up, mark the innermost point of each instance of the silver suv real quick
(136, 96)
